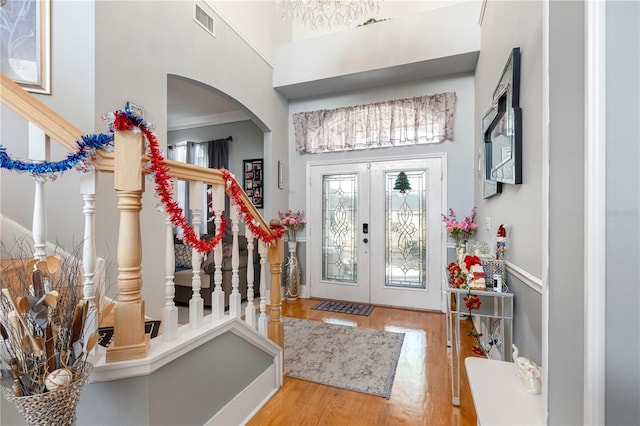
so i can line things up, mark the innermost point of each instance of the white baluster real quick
(250, 312)
(235, 299)
(169, 311)
(263, 321)
(39, 152)
(217, 297)
(196, 304)
(88, 191)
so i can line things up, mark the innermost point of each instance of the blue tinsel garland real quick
(79, 160)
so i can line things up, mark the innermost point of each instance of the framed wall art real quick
(253, 181)
(25, 44)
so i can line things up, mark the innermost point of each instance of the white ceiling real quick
(190, 104)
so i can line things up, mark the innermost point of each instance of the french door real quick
(375, 232)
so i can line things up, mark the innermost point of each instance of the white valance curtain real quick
(400, 122)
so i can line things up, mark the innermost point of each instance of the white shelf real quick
(497, 397)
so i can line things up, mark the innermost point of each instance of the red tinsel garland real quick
(164, 189)
(234, 191)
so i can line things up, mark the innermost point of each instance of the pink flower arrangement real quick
(460, 231)
(293, 221)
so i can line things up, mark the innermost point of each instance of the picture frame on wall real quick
(25, 45)
(253, 180)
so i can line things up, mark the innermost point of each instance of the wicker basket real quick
(54, 408)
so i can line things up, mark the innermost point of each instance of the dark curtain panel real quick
(218, 151)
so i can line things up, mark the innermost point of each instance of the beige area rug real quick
(354, 358)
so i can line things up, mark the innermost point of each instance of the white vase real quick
(292, 273)
(460, 252)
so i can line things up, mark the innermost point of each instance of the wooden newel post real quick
(276, 257)
(130, 341)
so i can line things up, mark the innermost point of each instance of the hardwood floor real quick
(421, 393)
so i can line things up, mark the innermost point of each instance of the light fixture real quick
(327, 12)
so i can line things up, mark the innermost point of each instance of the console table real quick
(495, 305)
(496, 396)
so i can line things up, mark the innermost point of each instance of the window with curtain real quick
(213, 154)
(400, 122)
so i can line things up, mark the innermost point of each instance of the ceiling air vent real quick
(205, 19)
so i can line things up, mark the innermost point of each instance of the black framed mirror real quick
(502, 131)
(490, 187)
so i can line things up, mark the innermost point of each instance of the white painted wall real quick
(259, 22)
(389, 9)
(408, 39)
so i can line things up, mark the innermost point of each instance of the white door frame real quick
(443, 240)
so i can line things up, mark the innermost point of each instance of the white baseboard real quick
(250, 400)
(305, 292)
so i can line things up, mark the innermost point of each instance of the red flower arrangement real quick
(457, 277)
(472, 303)
(477, 349)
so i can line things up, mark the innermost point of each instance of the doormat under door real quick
(344, 307)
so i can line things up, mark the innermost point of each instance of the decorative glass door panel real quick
(340, 225)
(335, 242)
(405, 229)
(375, 232)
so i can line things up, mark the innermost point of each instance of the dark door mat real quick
(106, 333)
(344, 307)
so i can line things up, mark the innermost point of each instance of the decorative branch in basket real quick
(42, 317)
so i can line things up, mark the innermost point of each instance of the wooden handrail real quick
(67, 135)
(53, 124)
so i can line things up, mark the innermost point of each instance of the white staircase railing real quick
(127, 165)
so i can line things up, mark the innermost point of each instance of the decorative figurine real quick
(501, 243)
(528, 373)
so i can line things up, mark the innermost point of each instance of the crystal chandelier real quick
(327, 12)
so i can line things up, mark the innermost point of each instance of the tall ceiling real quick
(190, 104)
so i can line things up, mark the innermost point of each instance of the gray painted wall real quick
(174, 44)
(566, 213)
(187, 391)
(95, 71)
(509, 24)
(623, 214)
(72, 96)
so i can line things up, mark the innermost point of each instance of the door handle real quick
(366, 240)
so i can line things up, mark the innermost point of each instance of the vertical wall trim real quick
(444, 168)
(545, 211)
(595, 204)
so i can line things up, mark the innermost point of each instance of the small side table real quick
(498, 306)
